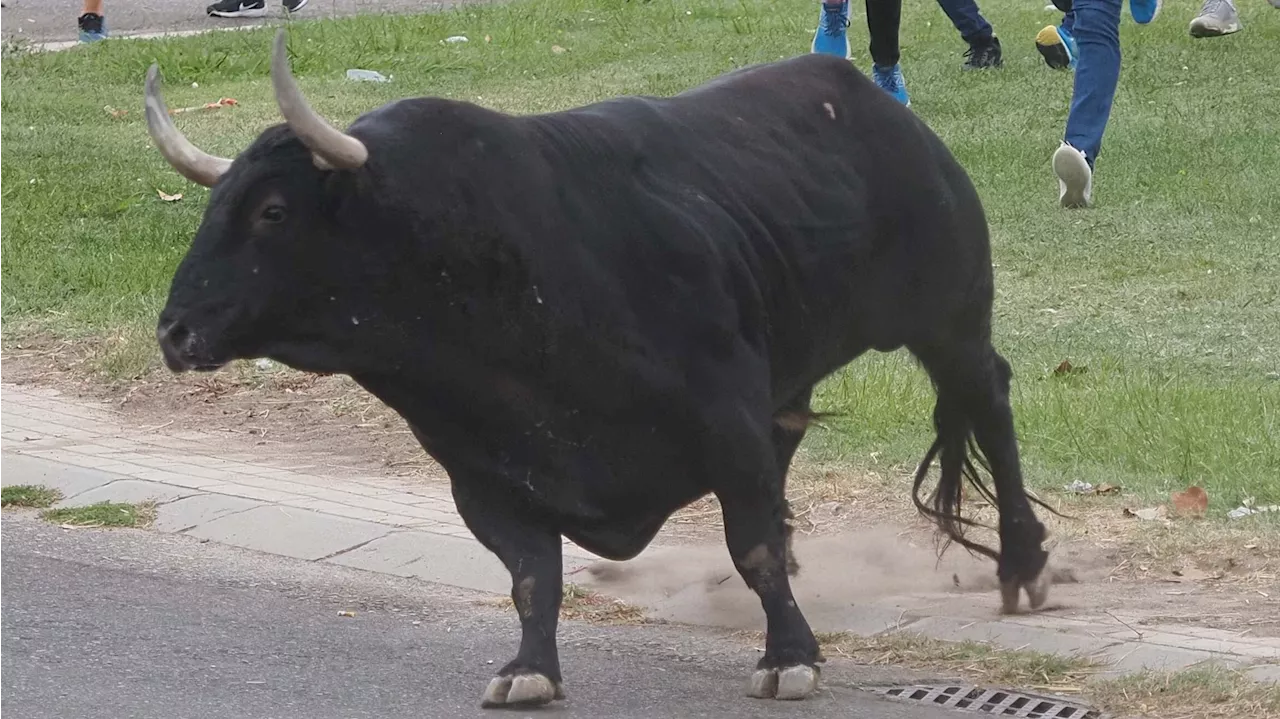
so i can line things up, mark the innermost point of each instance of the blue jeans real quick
(966, 18)
(1095, 25)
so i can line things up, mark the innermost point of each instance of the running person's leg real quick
(832, 37)
(1217, 17)
(884, 17)
(984, 46)
(91, 23)
(1094, 26)
(249, 8)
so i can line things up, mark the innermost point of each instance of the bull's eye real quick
(273, 213)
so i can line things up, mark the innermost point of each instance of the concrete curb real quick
(60, 45)
(410, 529)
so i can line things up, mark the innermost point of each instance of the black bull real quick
(592, 318)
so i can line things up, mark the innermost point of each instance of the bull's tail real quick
(952, 448)
(956, 452)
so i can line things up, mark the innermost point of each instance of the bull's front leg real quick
(750, 490)
(533, 555)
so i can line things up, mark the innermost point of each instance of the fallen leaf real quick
(1107, 489)
(117, 114)
(167, 197)
(1148, 514)
(1066, 368)
(557, 49)
(346, 613)
(1190, 502)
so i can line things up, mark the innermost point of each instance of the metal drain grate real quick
(1000, 702)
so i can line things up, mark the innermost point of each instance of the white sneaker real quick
(1075, 178)
(1217, 17)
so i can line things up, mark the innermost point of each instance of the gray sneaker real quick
(1217, 17)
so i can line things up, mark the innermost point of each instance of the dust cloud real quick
(838, 573)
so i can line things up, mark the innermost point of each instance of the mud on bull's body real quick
(594, 317)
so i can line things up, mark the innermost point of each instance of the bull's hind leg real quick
(749, 487)
(972, 382)
(533, 556)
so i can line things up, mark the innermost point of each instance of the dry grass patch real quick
(584, 605)
(976, 661)
(1210, 693)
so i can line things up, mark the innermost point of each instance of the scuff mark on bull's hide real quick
(524, 597)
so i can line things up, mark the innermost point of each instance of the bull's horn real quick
(335, 148)
(190, 161)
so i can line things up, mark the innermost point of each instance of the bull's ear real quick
(339, 191)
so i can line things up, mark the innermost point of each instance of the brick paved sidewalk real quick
(298, 509)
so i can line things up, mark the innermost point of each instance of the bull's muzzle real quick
(184, 349)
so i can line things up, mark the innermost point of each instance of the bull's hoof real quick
(521, 691)
(1037, 592)
(788, 683)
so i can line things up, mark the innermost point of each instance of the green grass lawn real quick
(1167, 293)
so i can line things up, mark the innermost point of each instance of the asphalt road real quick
(139, 624)
(52, 20)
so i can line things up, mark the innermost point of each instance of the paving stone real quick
(298, 533)
(181, 480)
(128, 490)
(68, 479)
(1269, 673)
(447, 560)
(1010, 636)
(241, 490)
(196, 510)
(1131, 657)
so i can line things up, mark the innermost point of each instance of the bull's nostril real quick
(178, 335)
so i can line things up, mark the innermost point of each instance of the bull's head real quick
(273, 251)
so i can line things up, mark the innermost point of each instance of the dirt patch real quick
(257, 406)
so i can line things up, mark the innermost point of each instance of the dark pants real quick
(883, 19)
(965, 16)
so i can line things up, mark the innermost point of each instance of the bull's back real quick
(855, 223)
(794, 206)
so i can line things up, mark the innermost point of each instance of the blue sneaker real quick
(831, 38)
(1057, 47)
(93, 27)
(1144, 11)
(890, 80)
